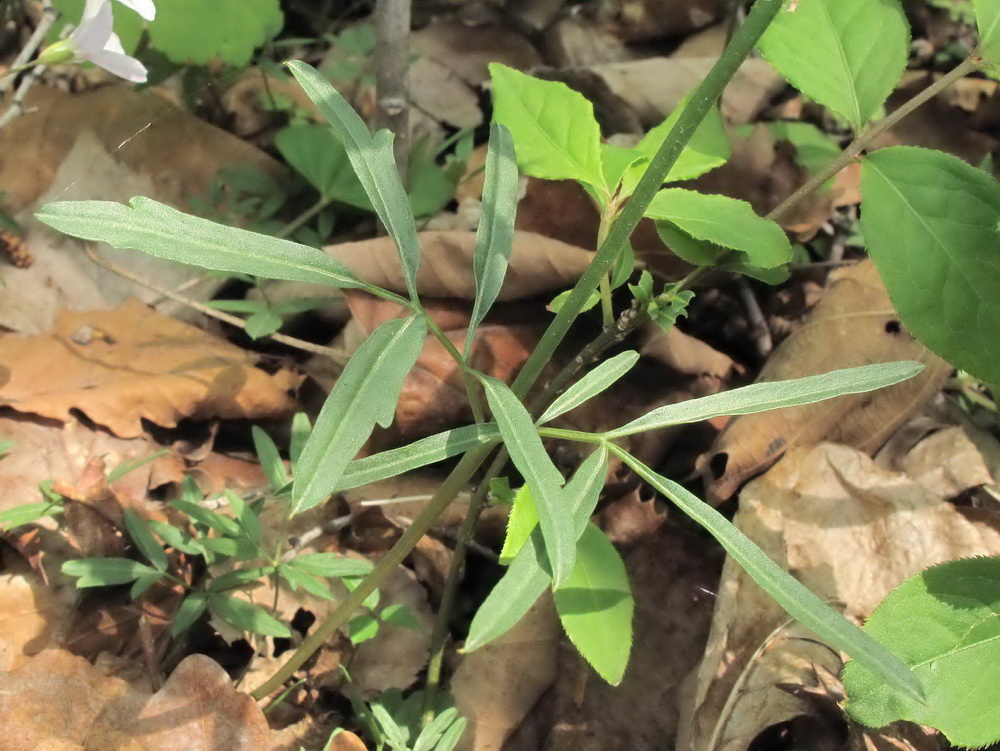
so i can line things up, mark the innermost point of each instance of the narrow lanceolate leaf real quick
(540, 475)
(553, 126)
(143, 538)
(592, 384)
(848, 55)
(944, 623)
(763, 397)
(373, 161)
(786, 590)
(246, 616)
(988, 21)
(930, 223)
(528, 576)
(103, 572)
(164, 232)
(495, 236)
(418, 454)
(522, 520)
(595, 606)
(270, 460)
(365, 394)
(724, 221)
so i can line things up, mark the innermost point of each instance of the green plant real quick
(557, 138)
(395, 722)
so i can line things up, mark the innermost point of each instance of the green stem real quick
(699, 105)
(570, 435)
(873, 131)
(471, 385)
(304, 217)
(15, 71)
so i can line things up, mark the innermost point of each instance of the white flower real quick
(95, 40)
(144, 8)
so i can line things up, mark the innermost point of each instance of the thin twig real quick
(392, 75)
(758, 325)
(337, 355)
(49, 16)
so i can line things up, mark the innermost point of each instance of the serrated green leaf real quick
(209, 518)
(708, 148)
(365, 394)
(724, 221)
(528, 576)
(988, 22)
(540, 474)
(362, 628)
(374, 164)
(944, 623)
(189, 612)
(321, 158)
(161, 231)
(196, 32)
(271, 463)
(262, 323)
(330, 565)
(299, 579)
(522, 520)
(762, 397)
(930, 224)
(143, 538)
(174, 537)
(554, 129)
(592, 384)
(103, 572)
(595, 606)
(848, 55)
(785, 589)
(418, 454)
(495, 235)
(245, 615)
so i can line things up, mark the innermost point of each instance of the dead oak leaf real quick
(131, 363)
(56, 700)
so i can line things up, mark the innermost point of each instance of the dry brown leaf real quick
(495, 686)
(646, 20)
(467, 50)
(121, 366)
(56, 699)
(30, 615)
(849, 531)
(854, 324)
(537, 264)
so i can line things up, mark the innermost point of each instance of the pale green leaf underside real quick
(786, 590)
(930, 223)
(724, 221)
(988, 21)
(848, 55)
(766, 396)
(944, 623)
(554, 129)
(592, 384)
(164, 232)
(365, 394)
(595, 606)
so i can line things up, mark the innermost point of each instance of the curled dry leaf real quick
(537, 264)
(854, 324)
(121, 366)
(57, 699)
(849, 531)
(495, 686)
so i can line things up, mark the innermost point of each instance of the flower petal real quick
(119, 64)
(144, 8)
(95, 29)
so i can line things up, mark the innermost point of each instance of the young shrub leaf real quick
(553, 126)
(374, 164)
(143, 538)
(245, 615)
(495, 235)
(786, 590)
(592, 384)
(522, 520)
(944, 623)
(595, 606)
(528, 576)
(365, 394)
(762, 397)
(418, 454)
(848, 55)
(724, 221)
(161, 231)
(930, 223)
(988, 22)
(270, 460)
(540, 475)
(103, 572)
(330, 565)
